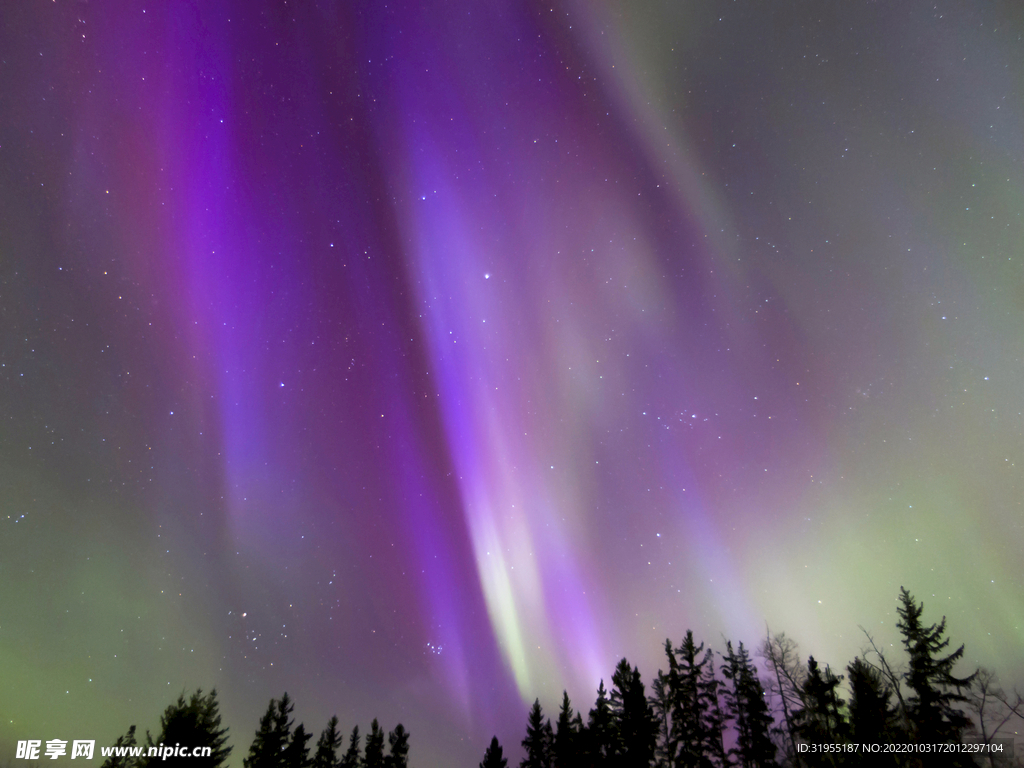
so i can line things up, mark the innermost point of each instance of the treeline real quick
(709, 710)
(195, 724)
(704, 710)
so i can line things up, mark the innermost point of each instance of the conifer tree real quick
(600, 740)
(567, 736)
(374, 757)
(353, 757)
(931, 707)
(746, 707)
(686, 705)
(327, 746)
(930, 676)
(873, 717)
(538, 741)
(713, 719)
(193, 722)
(635, 726)
(664, 691)
(296, 753)
(696, 710)
(398, 746)
(821, 720)
(273, 736)
(493, 757)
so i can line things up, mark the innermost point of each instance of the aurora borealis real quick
(421, 359)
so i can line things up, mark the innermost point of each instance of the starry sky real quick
(424, 358)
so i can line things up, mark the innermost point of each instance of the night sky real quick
(421, 359)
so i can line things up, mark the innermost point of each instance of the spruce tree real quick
(327, 746)
(273, 736)
(687, 709)
(821, 719)
(193, 723)
(374, 757)
(664, 691)
(538, 741)
(696, 710)
(931, 707)
(567, 736)
(635, 726)
(600, 740)
(873, 717)
(493, 757)
(353, 757)
(930, 675)
(296, 753)
(398, 748)
(746, 707)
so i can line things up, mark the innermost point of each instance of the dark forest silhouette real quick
(705, 710)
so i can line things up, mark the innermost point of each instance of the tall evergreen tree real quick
(374, 756)
(635, 726)
(821, 719)
(273, 736)
(296, 753)
(567, 736)
(599, 744)
(538, 741)
(327, 746)
(697, 715)
(193, 722)
(746, 707)
(931, 707)
(398, 748)
(930, 676)
(687, 709)
(712, 715)
(873, 717)
(493, 757)
(353, 757)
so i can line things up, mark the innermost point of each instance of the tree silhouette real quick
(873, 717)
(538, 741)
(821, 721)
(635, 726)
(353, 757)
(193, 723)
(398, 744)
(567, 743)
(664, 693)
(327, 746)
(374, 757)
(273, 736)
(993, 708)
(296, 754)
(697, 718)
(930, 708)
(493, 757)
(786, 679)
(600, 740)
(746, 707)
